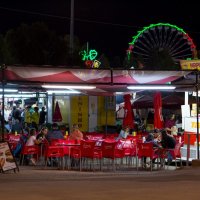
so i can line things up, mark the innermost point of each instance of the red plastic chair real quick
(67, 145)
(90, 151)
(53, 152)
(134, 152)
(111, 151)
(29, 150)
(176, 153)
(13, 140)
(147, 150)
(75, 154)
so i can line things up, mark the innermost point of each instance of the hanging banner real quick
(7, 161)
(190, 64)
(79, 111)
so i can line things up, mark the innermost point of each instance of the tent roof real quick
(170, 100)
(107, 81)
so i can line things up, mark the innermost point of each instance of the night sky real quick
(108, 25)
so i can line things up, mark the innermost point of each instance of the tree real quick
(104, 61)
(37, 45)
(2, 46)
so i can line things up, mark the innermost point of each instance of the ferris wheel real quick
(160, 46)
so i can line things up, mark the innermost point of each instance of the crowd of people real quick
(16, 119)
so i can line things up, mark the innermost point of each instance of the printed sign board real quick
(7, 161)
(191, 124)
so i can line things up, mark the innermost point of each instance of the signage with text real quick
(191, 124)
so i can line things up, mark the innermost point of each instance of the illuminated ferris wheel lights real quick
(161, 39)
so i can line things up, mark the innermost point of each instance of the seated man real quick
(55, 133)
(155, 139)
(168, 142)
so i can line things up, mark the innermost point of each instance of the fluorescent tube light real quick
(18, 95)
(119, 93)
(9, 90)
(63, 92)
(81, 87)
(151, 87)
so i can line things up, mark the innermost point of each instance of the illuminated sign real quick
(190, 64)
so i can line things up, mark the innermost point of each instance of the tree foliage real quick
(36, 44)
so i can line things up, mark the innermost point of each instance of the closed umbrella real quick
(158, 118)
(57, 117)
(128, 112)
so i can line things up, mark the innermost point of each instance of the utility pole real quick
(3, 95)
(71, 42)
(197, 102)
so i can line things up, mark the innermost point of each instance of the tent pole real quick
(47, 105)
(197, 102)
(3, 102)
(106, 116)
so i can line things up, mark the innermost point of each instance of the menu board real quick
(7, 161)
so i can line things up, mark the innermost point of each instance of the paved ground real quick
(36, 183)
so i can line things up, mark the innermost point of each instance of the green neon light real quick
(152, 26)
(91, 55)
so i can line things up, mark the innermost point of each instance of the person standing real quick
(27, 116)
(170, 123)
(35, 118)
(42, 118)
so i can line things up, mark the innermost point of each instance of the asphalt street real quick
(49, 184)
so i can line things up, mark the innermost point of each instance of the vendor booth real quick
(102, 82)
(189, 150)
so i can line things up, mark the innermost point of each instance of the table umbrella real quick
(128, 112)
(158, 119)
(57, 117)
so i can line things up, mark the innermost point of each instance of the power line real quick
(77, 19)
(68, 18)
(33, 13)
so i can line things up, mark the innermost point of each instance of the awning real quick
(107, 81)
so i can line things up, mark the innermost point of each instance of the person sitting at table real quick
(23, 138)
(76, 134)
(55, 133)
(168, 142)
(123, 133)
(155, 139)
(42, 134)
(17, 127)
(30, 142)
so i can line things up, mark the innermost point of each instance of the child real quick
(30, 142)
